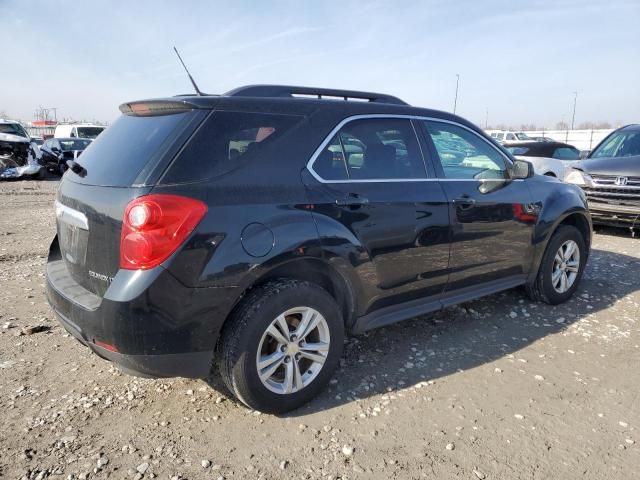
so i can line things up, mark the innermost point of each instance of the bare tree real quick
(562, 126)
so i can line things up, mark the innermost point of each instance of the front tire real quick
(561, 267)
(281, 346)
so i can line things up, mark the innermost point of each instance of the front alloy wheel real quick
(566, 264)
(561, 267)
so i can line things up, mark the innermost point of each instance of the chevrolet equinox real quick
(252, 231)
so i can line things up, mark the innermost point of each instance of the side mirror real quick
(584, 154)
(522, 169)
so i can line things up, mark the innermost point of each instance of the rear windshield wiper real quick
(76, 168)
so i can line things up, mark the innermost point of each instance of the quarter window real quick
(372, 149)
(464, 155)
(229, 139)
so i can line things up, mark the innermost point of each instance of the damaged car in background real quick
(16, 159)
(55, 152)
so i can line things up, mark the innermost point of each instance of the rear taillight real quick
(154, 226)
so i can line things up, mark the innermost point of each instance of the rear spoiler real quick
(154, 108)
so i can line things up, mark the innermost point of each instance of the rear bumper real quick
(189, 365)
(152, 324)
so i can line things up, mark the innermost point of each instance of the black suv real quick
(253, 230)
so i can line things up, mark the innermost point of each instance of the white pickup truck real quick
(509, 136)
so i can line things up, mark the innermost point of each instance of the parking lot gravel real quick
(498, 388)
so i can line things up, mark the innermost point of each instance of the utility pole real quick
(455, 100)
(573, 118)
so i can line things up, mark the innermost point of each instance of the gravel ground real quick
(499, 388)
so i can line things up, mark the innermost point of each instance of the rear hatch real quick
(123, 163)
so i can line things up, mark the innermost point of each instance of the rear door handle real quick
(352, 199)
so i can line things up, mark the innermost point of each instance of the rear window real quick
(228, 140)
(71, 144)
(118, 155)
(566, 153)
(89, 132)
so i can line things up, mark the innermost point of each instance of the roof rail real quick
(289, 91)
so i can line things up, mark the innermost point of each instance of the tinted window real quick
(67, 145)
(330, 163)
(619, 144)
(377, 149)
(566, 153)
(89, 132)
(120, 153)
(228, 140)
(511, 136)
(463, 154)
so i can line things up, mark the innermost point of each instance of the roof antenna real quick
(193, 82)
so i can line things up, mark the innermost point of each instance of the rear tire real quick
(560, 270)
(301, 366)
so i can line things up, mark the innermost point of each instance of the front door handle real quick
(352, 199)
(464, 202)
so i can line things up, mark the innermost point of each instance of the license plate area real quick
(73, 234)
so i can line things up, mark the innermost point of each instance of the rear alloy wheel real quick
(280, 347)
(293, 350)
(561, 268)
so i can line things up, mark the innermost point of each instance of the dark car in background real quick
(610, 176)
(55, 152)
(253, 230)
(548, 149)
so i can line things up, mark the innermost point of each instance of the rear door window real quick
(229, 139)
(373, 149)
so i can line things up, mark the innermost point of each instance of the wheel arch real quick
(316, 271)
(578, 218)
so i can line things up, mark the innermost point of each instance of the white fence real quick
(581, 139)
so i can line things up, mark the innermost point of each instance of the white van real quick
(78, 130)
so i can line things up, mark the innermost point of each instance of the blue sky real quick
(520, 60)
